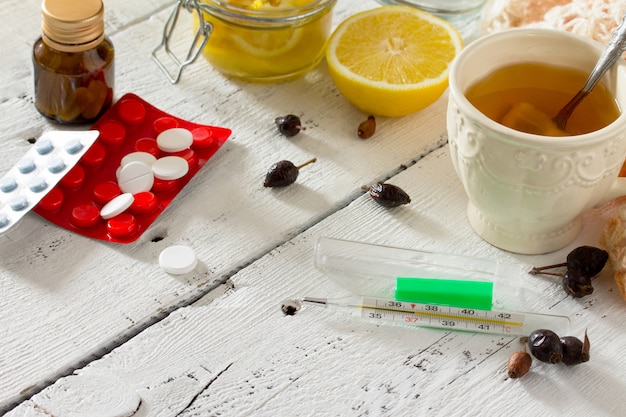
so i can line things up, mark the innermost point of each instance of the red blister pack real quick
(130, 126)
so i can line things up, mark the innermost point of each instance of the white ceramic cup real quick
(527, 192)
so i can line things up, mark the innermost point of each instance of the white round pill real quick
(174, 140)
(117, 206)
(170, 168)
(178, 260)
(145, 157)
(135, 177)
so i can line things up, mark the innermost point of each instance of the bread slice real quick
(613, 239)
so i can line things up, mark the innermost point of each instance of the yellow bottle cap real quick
(72, 25)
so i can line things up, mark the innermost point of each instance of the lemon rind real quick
(456, 40)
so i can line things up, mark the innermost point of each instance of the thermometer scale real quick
(445, 317)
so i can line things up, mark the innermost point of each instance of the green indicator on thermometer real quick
(429, 289)
(444, 317)
(450, 292)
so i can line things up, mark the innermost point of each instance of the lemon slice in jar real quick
(269, 43)
(392, 60)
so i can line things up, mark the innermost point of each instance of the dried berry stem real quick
(538, 269)
(310, 161)
(586, 348)
(556, 274)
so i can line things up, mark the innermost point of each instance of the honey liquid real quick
(547, 88)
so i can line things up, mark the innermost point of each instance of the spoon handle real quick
(612, 52)
(610, 55)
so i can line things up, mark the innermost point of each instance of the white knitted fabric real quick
(595, 19)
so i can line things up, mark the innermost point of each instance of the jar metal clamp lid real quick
(254, 22)
(200, 39)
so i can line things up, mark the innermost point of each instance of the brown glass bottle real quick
(73, 62)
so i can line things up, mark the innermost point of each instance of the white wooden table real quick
(214, 341)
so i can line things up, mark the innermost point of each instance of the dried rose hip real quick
(283, 173)
(575, 351)
(576, 284)
(519, 364)
(588, 260)
(367, 128)
(546, 346)
(582, 264)
(289, 125)
(388, 195)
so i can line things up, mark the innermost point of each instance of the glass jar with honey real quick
(73, 62)
(256, 40)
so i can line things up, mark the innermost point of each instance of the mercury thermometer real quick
(444, 317)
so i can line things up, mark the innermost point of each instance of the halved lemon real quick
(392, 60)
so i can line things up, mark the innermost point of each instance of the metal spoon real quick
(610, 55)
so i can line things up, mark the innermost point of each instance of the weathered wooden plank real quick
(238, 354)
(71, 298)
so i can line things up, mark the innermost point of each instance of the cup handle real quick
(618, 189)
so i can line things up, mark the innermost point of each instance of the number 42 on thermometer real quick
(451, 318)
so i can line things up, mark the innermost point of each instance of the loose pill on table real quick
(117, 206)
(174, 140)
(178, 260)
(170, 168)
(135, 177)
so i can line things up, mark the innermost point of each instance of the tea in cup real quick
(528, 191)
